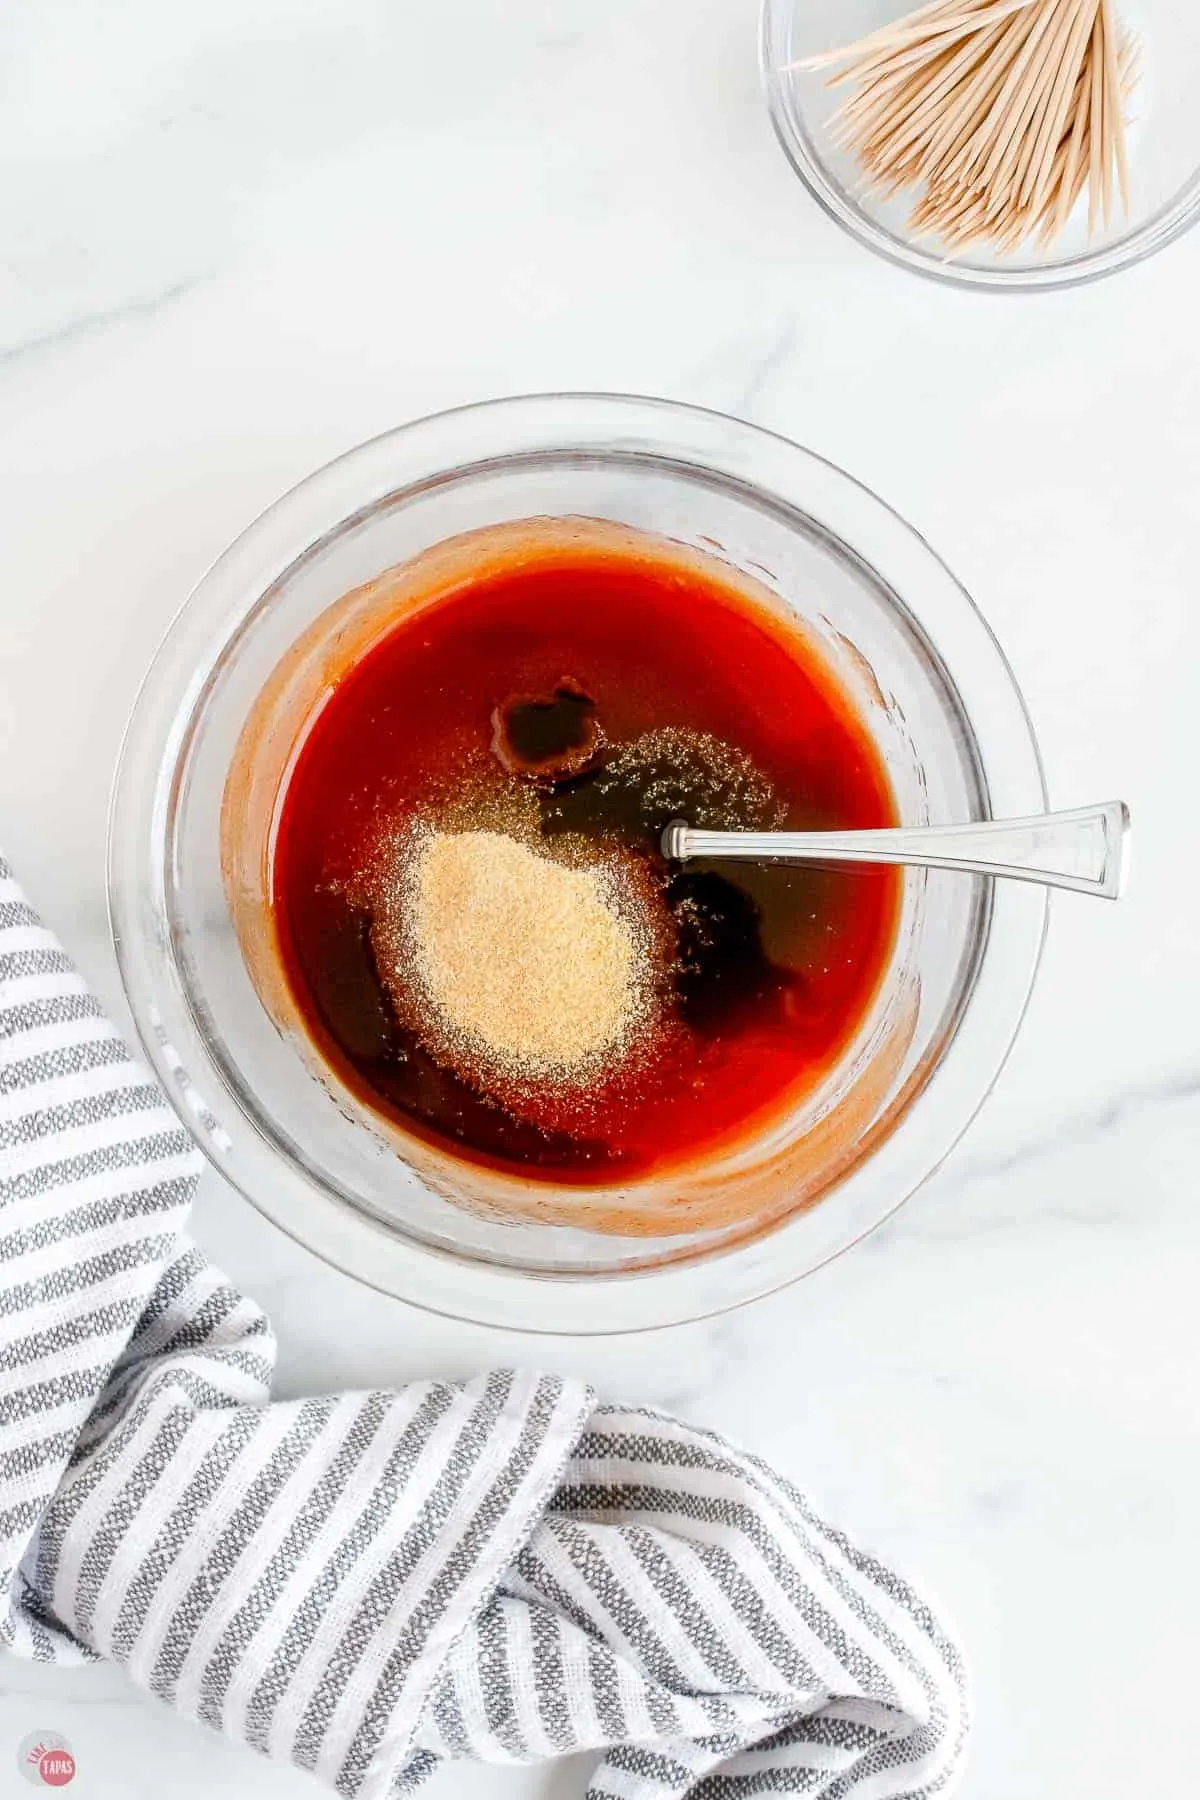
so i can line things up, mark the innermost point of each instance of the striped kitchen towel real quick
(367, 1584)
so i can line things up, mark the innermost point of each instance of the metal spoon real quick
(1086, 850)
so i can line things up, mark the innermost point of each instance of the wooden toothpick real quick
(999, 112)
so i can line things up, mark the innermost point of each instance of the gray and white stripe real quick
(367, 1584)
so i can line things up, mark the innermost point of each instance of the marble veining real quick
(86, 322)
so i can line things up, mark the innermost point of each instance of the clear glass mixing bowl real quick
(1164, 148)
(924, 670)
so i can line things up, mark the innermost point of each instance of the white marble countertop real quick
(237, 238)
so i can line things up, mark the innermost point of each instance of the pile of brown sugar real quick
(521, 966)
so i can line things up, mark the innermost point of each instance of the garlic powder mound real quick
(529, 966)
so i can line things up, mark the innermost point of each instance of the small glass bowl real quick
(1164, 146)
(245, 662)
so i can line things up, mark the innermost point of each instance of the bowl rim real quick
(461, 439)
(1155, 233)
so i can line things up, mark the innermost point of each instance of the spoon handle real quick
(1085, 850)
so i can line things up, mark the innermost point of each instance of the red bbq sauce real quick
(621, 689)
